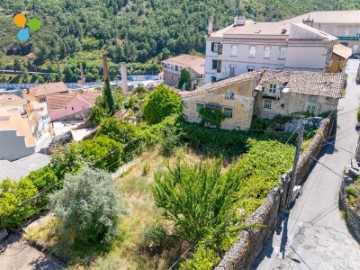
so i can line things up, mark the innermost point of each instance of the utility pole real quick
(296, 159)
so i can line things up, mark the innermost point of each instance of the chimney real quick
(124, 82)
(82, 75)
(105, 67)
(211, 25)
(239, 20)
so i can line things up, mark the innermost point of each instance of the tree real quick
(196, 198)
(160, 104)
(102, 152)
(88, 207)
(184, 82)
(109, 100)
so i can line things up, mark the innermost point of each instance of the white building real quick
(246, 46)
(344, 24)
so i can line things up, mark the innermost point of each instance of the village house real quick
(265, 93)
(246, 46)
(344, 24)
(172, 67)
(16, 139)
(40, 92)
(39, 118)
(71, 106)
(11, 101)
(341, 54)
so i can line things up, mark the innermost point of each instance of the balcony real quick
(273, 96)
(173, 71)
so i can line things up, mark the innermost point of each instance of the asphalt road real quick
(316, 233)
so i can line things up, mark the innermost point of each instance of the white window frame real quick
(252, 51)
(216, 47)
(347, 32)
(232, 67)
(355, 48)
(311, 108)
(267, 104)
(234, 50)
(267, 52)
(229, 94)
(272, 88)
(282, 53)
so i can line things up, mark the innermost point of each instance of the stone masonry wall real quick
(243, 253)
(352, 214)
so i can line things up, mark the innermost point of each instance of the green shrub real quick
(43, 178)
(102, 153)
(13, 193)
(88, 208)
(154, 239)
(212, 117)
(203, 259)
(259, 123)
(350, 190)
(146, 168)
(162, 102)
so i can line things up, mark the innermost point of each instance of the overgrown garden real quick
(198, 205)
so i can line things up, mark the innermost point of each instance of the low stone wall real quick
(243, 253)
(351, 213)
(306, 159)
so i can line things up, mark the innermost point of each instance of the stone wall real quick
(243, 253)
(307, 157)
(351, 213)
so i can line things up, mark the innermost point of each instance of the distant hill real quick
(75, 31)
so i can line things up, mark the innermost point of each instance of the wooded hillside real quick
(76, 31)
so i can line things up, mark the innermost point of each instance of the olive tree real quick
(88, 207)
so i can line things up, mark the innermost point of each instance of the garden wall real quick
(243, 253)
(351, 213)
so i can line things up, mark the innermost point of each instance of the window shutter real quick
(219, 66)
(212, 46)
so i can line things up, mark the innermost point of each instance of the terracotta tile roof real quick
(58, 101)
(307, 83)
(207, 88)
(46, 89)
(11, 100)
(339, 16)
(12, 120)
(39, 108)
(342, 51)
(196, 63)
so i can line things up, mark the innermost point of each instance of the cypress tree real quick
(109, 100)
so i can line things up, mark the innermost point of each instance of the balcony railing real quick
(349, 37)
(275, 96)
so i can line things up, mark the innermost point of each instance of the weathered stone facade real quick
(290, 103)
(242, 104)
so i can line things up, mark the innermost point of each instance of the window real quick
(267, 52)
(355, 48)
(233, 50)
(219, 50)
(232, 70)
(250, 69)
(272, 88)
(218, 66)
(267, 104)
(42, 99)
(214, 64)
(176, 68)
(72, 108)
(282, 54)
(199, 106)
(213, 79)
(228, 112)
(347, 32)
(313, 98)
(214, 47)
(229, 94)
(310, 108)
(252, 51)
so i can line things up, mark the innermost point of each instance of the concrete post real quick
(124, 82)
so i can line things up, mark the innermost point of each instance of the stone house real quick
(246, 46)
(344, 24)
(265, 93)
(172, 67)
(341, 54)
